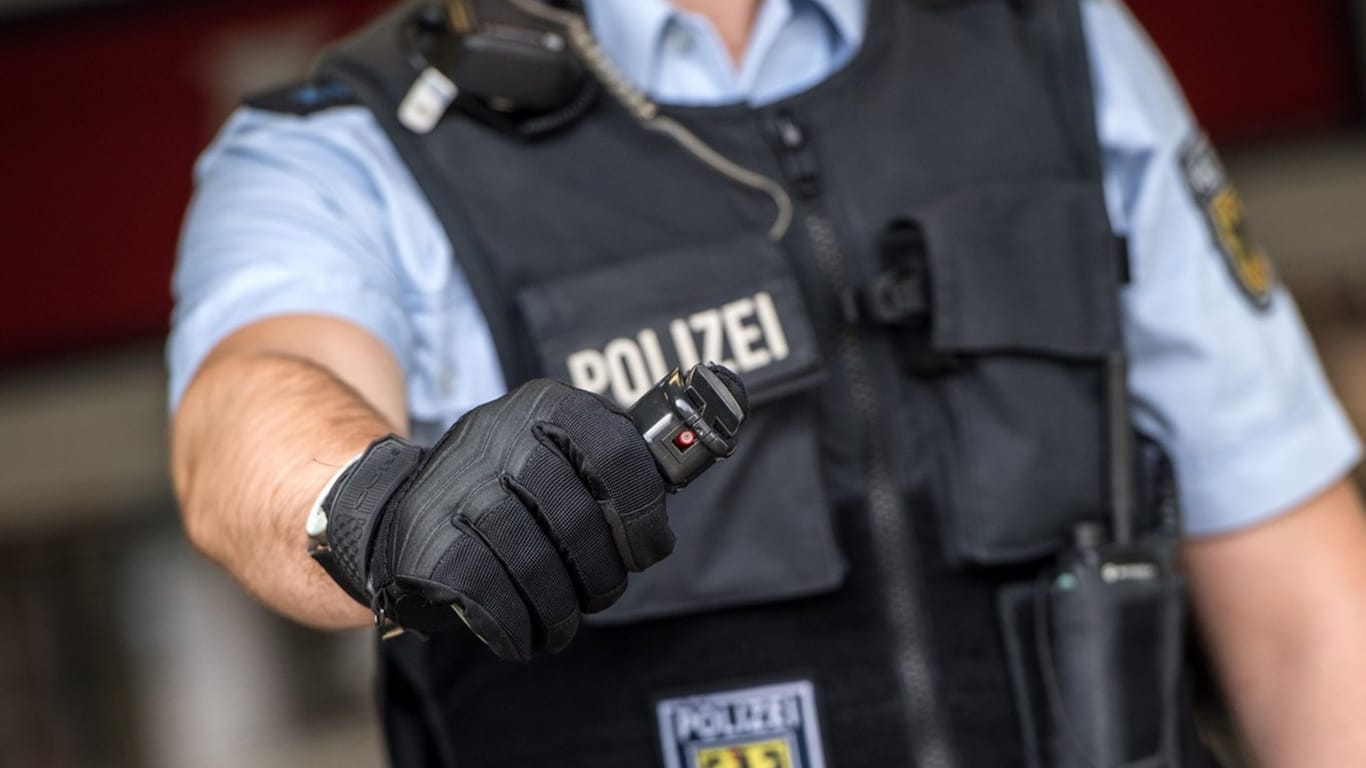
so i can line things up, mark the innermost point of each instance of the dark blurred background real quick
(121, 646)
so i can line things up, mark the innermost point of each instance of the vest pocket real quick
(755, 528)
(1023, 294)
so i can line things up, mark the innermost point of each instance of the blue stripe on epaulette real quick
(303, 98)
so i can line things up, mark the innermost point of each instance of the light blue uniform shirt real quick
(317, 214)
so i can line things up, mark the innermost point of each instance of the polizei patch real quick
(769, 726)
(1223, 210)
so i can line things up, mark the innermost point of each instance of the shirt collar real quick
(848, 17)
(630, 31)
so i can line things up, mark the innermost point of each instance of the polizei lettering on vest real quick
(743, 335)
(710, 721)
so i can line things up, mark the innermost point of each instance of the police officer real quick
(921, 233)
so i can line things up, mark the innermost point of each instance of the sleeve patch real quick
(1223, 211)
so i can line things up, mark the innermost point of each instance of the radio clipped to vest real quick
(529, 68)
(496, 63)
(1096, 642)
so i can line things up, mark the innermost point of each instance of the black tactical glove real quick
(531, 509)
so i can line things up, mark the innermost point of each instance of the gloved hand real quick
(530, 510)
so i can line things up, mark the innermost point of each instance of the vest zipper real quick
(901, 586)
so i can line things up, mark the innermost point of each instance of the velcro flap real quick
(1016, 268)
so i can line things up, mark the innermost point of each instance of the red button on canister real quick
(685, 439)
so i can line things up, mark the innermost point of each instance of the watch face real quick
(316, 525)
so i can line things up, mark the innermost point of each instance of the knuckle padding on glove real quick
(535, 568)
(492, 606)
(611, 457)
(573, 521)
(529, 510)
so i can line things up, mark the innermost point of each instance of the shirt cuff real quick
(196, 334)
(1281, 468)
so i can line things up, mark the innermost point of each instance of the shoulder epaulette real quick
(303, 98)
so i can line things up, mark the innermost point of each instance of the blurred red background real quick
(109, 105)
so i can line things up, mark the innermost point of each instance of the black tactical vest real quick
(924, 349)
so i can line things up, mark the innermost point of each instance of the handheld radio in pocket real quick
(690, 420)
(1110, 625)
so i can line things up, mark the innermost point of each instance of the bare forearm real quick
(1283, 609)
(1308, 708)
(256, 437)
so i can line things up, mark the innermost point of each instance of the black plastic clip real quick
(900, 294)
(891, 298)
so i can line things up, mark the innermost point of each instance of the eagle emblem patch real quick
(1227, 220)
